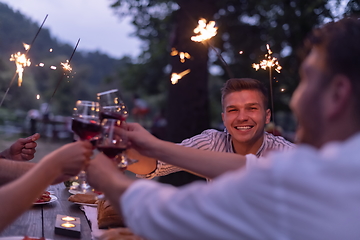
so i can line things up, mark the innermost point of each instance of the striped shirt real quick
(214, 140)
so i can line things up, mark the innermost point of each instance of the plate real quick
(86, 204)
(53, 199)
(73, 191)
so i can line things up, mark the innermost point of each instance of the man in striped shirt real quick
(245, 114)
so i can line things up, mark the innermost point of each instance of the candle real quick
(68, 218)
(68, 225)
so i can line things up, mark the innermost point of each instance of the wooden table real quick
(40, 219)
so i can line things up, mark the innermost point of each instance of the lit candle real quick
(68, 218)
(68, 225)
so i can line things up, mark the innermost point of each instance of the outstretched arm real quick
(11, 170)
(205, 163)
(21, 150)
(20, 194)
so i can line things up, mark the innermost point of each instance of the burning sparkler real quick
(175, 77)
(20, 61)
(66, 67)
(270, 63)
(20, 72)
(182, 55)
(205, 33)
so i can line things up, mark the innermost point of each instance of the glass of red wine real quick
(112, 106)
(113, 142)
(86, 125)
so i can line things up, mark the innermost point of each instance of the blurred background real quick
(145, 50)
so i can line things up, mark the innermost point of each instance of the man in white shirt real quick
(310, 192)
(245, 114)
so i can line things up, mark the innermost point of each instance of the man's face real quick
(244, 116)
(307, 101)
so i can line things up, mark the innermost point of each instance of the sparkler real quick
(182, 55)
(21, 61)
(205, 33)
(66, 67)
(269, 62)
(18, 71)
(175, 77)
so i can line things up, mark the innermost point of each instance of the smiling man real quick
(245, 114)
(311, 192)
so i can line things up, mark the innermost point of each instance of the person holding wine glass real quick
(112, 106)
(309, 192)
(19, 194)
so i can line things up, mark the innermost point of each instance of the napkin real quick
(91, 215)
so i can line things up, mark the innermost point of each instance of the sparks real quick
(26, 46)
(204, 31)
(38, 96)
(182, 55)
(241, 52)
(20, 61)
(66, 66)
(268, 62)
(175, 77)
(50, 50)
(53, 67)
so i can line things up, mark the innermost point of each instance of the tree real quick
(243, 25)
(90, 69)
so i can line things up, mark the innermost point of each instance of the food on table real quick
(45, 197)
(31, 238)
(119, 234)
(83, 198)
(107, 216)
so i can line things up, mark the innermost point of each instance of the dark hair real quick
(340, 42)
(239, 84)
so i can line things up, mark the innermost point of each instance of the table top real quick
(40, 219)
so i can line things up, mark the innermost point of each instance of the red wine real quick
(111, 152)
(112, 115)
(85, 129)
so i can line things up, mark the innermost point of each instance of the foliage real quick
(243, 26)
(89, 75)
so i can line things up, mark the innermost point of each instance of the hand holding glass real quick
(86, 125)
(113, 142)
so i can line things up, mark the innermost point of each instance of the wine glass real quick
(86, 125)
(112, 142)
(112, 105)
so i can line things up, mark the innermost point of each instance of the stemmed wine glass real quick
(86, 125)
(112, 106)
(112, 142)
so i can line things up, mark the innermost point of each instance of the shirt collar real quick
(259, 151)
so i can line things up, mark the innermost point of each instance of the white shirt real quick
(219, 141)
(303, 193)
